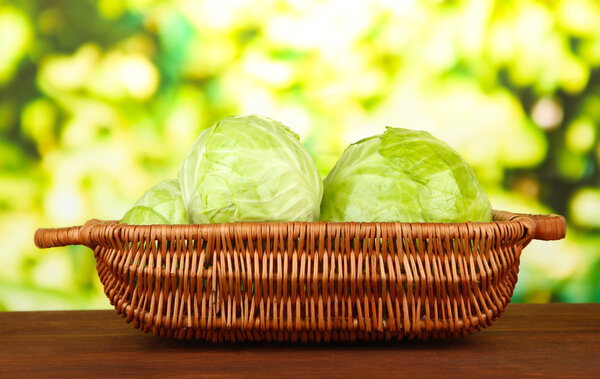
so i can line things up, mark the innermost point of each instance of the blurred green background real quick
(101, 100)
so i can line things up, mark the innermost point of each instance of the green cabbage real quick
(249, 168)
(403, 175)
(161, 204)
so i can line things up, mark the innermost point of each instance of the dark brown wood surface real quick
(561, 340)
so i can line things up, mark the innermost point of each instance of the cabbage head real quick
(161, 204)
(403, 175)
(249, 168)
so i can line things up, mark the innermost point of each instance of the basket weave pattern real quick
(311, 281)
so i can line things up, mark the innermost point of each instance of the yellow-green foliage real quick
(99, 100)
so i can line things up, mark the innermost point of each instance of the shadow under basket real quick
(309, 281)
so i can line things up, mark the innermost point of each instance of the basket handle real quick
(547, 227)
(58, 237)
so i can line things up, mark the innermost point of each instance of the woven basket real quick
(309, 281)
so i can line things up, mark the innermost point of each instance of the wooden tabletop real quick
(528, 340)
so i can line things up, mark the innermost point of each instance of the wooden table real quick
(528, 340)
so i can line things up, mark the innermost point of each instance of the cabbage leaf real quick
(403, 175)
(161, 204)
(249, 168)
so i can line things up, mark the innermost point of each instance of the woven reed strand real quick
(309, 281)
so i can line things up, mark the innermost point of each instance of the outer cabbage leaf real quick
(249, 168)
(140, 215)
(161, 204)
(403, 175)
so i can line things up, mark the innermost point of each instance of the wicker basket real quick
(310, 281)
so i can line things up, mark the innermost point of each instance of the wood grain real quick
(560, 340)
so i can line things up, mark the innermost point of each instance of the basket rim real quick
(523, 227)
(255, 230)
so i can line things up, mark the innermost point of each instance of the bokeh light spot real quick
(38, 119)
(547, 113)
(585, 207)
(70, 72)
(581, 135)
(64, 204)
(138, 75)
(15, 37)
